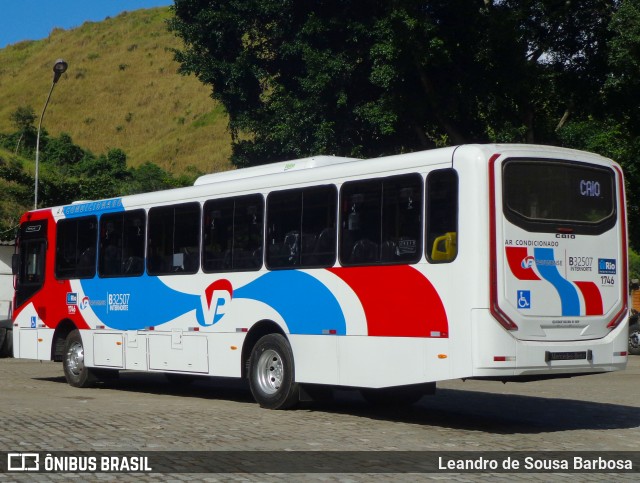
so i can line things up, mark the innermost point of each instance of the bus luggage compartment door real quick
(166, 354)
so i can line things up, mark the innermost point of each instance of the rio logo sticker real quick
(607, 266)
(216, 300)
(72, 298)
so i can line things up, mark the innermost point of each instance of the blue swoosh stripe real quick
(306, 304)
(545, 263)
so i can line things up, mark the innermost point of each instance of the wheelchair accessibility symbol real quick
(524, 299)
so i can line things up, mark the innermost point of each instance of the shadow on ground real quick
(449, 408)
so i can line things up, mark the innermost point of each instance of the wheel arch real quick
(259, 330)
(59, 336)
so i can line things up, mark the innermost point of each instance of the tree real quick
(369, 78)
(365, 78)
(113, 164)
(23, 118)
(16, 190)
(148, 177)
(62, 152)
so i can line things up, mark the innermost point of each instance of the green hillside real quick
(121, 90)
(15, 196)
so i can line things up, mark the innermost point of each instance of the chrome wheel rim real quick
(270, 372)
(75, 358)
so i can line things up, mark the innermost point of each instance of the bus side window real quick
(442, 216)
(381, 220)
(174, 239)
(121, 247)
(233, 234)
(76, 248)
(301, 227)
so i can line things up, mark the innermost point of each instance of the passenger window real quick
(122, 239)
(233, 234)
(76, 248)
(302, 228)
(381, 221)
(173, 245)
(442, 216)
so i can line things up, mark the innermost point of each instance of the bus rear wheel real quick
(75, 370)
(271, 373)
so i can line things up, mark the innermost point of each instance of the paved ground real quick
(142, 412)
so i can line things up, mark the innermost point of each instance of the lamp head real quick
(59, 68)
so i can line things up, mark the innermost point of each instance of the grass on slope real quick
(121, 90)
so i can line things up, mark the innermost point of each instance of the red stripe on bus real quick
(592, 298)
(398, 301)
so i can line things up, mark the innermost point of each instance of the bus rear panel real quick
(558, 267)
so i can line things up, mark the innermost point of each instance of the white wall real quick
(6, 281)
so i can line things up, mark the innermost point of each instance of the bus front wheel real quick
(271, 373)
(75, 370)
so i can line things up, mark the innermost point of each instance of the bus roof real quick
(272, 168)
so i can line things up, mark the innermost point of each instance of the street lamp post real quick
(59, 68)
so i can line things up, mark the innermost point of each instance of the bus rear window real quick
(545, 196)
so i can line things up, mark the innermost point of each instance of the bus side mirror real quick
(15, 263)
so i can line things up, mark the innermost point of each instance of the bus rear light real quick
(620, 354)
(615, 322)
(502, 318)
(503, 358)
(150, 328)
(329, 331)
(194, 329)
(100, 326)
(242, 329)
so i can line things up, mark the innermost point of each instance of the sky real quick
(35, 19)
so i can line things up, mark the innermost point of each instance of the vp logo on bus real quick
(216, 300)
(527, 262)
(84, 304)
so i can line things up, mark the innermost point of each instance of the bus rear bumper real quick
(497, 353)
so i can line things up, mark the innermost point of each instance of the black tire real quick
(8, 344)
(272, 373)
(397, 396)
(75, 371)
(3, 334)
(634, 339)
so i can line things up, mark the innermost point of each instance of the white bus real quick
(503, 262)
